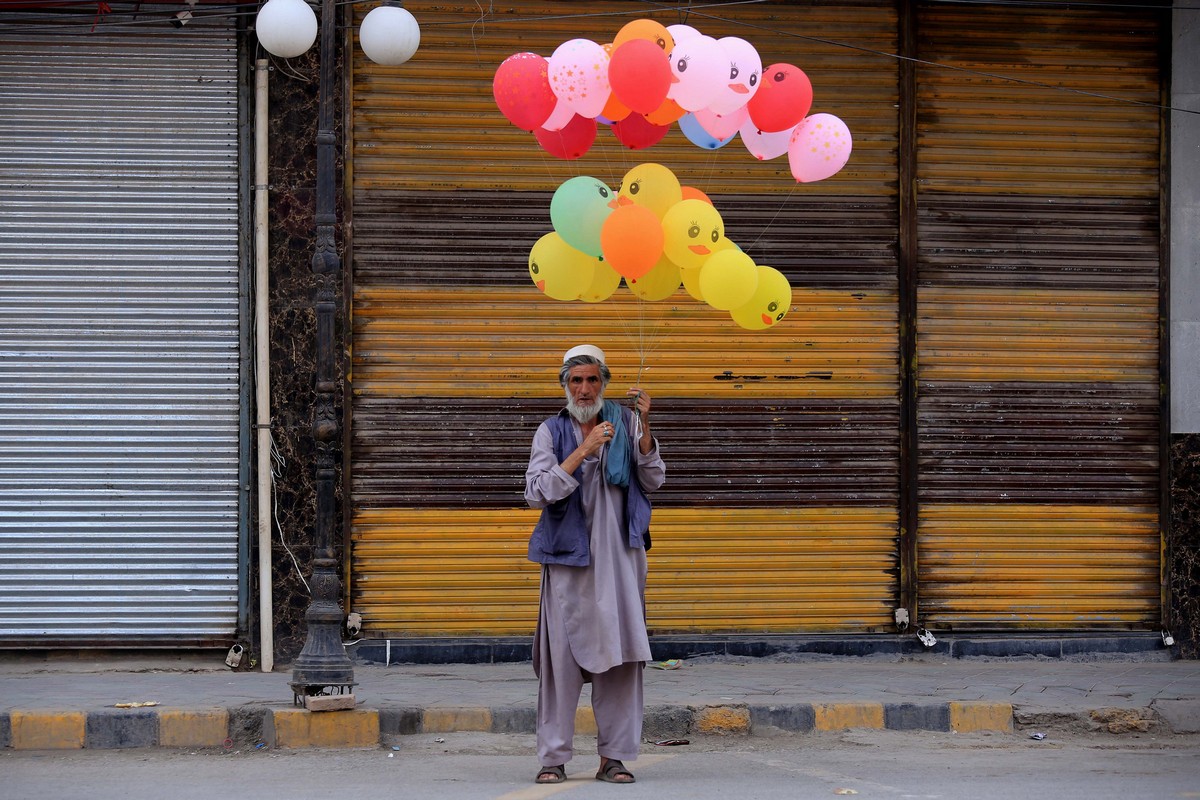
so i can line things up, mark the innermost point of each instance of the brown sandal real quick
(551, 775)
(614, 771)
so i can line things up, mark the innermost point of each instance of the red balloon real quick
(631, 240)
(638, 133)
(783, 99)
(521, 87)
(569, 142)
(640, 75)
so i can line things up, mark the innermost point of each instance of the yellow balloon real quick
(650, 185)
(560, 271)
(691, 275)
(770, 304)
(659, 283)
(728, 279)
(691, 231)
(604, 283)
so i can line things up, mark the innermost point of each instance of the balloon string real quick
(778, 211)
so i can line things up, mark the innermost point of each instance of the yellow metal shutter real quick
(780, 511)
(1038, 322)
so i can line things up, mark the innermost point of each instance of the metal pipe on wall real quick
(262, 380)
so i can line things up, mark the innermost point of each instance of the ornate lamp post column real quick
(287, 28)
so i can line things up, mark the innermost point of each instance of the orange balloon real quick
(647, 29)
(692, 193)
(631, 240)
(668, 112)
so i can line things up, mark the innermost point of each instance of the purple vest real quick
(561, 535)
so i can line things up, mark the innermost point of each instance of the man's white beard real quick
(584, 413)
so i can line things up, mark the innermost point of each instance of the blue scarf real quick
(618, 466)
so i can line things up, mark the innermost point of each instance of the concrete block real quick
(723, 719)
(300, 728)
(514, 719)
(974, 717)
(200, 728)
(400, 721)
(119, 729)
(330, 702)
(840, 716)
(47, 730)
(447, 720)
(794, 718)
(585, 721)
(913, 717)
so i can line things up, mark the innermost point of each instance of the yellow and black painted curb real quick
(114, 728)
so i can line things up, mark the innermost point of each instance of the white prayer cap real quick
(584, 350)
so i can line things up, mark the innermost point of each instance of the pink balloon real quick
(765, 146)
(579, 76)
(638, 133)
(561, 115)
(783, 99)
(722, 126)
(569, 142)
(819, 148)
(640, 75)
(521, 87)
(740, 82)
(698, 65)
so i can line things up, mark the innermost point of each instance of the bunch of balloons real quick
(655, 234)
(651, 76)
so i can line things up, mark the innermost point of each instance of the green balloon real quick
(578, 211)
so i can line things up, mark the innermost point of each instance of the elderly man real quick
(590, 469)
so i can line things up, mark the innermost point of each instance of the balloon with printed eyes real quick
(651, 185)
(740, 82)
(691, 230)
(698, 66)
(770, 304)
(783, 98)
(558, 270)
(578, 210)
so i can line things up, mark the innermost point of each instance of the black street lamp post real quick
(388, 36)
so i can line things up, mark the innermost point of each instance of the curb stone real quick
(364, 727)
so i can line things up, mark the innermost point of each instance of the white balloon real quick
(389, 35)
(286, 28)
(742, 77)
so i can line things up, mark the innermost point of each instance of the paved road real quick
(863, 764)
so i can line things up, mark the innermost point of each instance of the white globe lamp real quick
(389, 35)
(286, 28)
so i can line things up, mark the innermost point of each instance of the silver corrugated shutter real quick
(119, 343)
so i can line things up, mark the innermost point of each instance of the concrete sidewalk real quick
(148, 701)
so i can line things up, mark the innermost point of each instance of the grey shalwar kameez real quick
(592, 619)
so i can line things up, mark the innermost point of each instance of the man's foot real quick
(551, 775)
(613, 771)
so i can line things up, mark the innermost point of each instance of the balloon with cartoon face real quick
(783, 99)
(698, 66)
(770, 304)
(558, 270)
(741, 81)
(651, 185)
(578, 210)
(691, 231)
